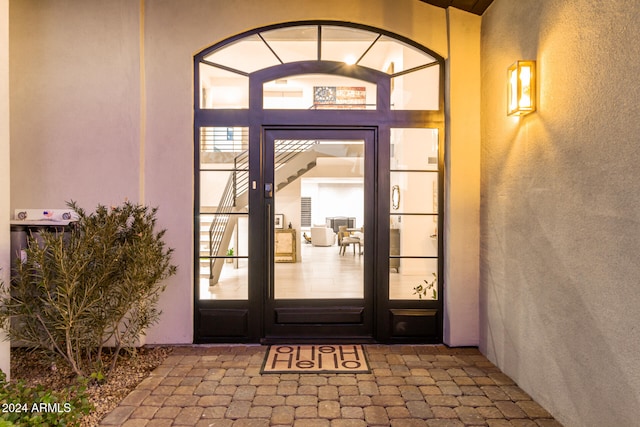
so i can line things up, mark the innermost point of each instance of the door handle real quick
(268, 191)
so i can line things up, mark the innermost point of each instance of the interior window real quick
(319, 92)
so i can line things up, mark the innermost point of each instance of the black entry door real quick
(318, 273)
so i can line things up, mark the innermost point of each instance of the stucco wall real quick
(74, 102)
(560, 214)
(4, 166)
(462, 183)
(100, 113)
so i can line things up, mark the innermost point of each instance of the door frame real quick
(241, 320)
(287, 320)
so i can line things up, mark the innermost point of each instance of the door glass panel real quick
(294, 43)
(222, 148)
(417, 235)
(325, 260)
(413, 245)
(223, 245)
(418, 90)
(247, 55)
(220, 89)
(344, 44)
(392, 56)
(414, 183)
(415, 272)
(414, 149)
(319, 92)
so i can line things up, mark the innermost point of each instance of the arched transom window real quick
(224, 70)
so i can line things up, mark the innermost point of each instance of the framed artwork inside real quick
(278, 221)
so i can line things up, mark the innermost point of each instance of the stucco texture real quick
(5, 255)
(560, 214)
(74, 102)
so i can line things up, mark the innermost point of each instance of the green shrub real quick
(37, 406)
(96, 286)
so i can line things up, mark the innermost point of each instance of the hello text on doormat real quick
(315, 359)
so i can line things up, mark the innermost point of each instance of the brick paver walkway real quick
(432, 386)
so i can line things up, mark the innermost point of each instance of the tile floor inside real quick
(421, 385)
(321, 273)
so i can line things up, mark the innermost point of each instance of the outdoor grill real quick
(32, 222)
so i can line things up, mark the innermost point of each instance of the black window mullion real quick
(319, 42)
(368, 49)
(224, 67)
(270, 48)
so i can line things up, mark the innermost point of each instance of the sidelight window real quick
(224, 214)
(413, 235)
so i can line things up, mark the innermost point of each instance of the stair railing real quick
(237, 185)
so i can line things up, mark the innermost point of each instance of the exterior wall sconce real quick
(521, 90)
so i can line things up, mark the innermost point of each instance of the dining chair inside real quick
(345, 239)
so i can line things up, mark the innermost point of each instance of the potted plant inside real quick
(428, 287)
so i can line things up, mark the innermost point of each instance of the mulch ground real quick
(37, 368)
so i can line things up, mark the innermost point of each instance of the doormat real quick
(314, 359)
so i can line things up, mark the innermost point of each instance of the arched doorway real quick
(319, 165)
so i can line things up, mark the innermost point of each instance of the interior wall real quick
(102, 110)
(288, 204)
(338, 199)
(560, 214)
(5, 241)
